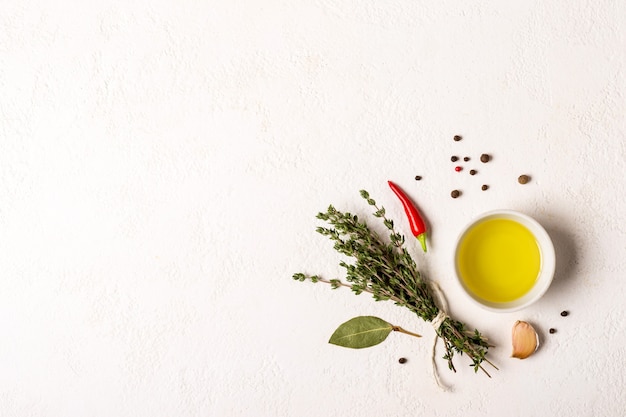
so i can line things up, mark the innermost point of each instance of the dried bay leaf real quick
(361, 332)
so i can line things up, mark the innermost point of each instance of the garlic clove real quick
(525, 340)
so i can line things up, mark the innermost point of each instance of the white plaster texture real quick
(161, 165)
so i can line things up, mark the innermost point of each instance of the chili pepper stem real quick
(422, 240)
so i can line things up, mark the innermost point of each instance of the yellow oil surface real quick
(499, 260)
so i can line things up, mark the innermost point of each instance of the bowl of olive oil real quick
(504, 260)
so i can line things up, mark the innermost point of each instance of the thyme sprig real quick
(386, 270)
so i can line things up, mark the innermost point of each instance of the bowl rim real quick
(546, 271)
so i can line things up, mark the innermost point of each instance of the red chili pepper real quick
(415, 220)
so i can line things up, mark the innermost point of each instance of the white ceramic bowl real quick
(546, 271)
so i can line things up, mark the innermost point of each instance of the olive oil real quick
(499, 260)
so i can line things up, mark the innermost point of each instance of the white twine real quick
(441, 316)
(438, 320)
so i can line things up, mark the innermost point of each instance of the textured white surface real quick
(161, 164)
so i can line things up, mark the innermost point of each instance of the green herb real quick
(386, 270)
(364, 331)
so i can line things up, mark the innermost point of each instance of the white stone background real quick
(161, 165)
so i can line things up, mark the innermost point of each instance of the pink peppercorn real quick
(458, 169)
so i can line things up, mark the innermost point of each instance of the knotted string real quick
(439, 319)
(436, 322)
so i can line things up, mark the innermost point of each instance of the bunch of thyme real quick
(388, 272)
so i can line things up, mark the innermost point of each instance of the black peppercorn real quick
(455, 193)
(402, 360)
(454, 158)
(564, 313)
(467, 158)
(484, 187)
(484, 158)
(552, 331)
(457, 138)
(473, 172)
(523, 179)
(417, 178)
